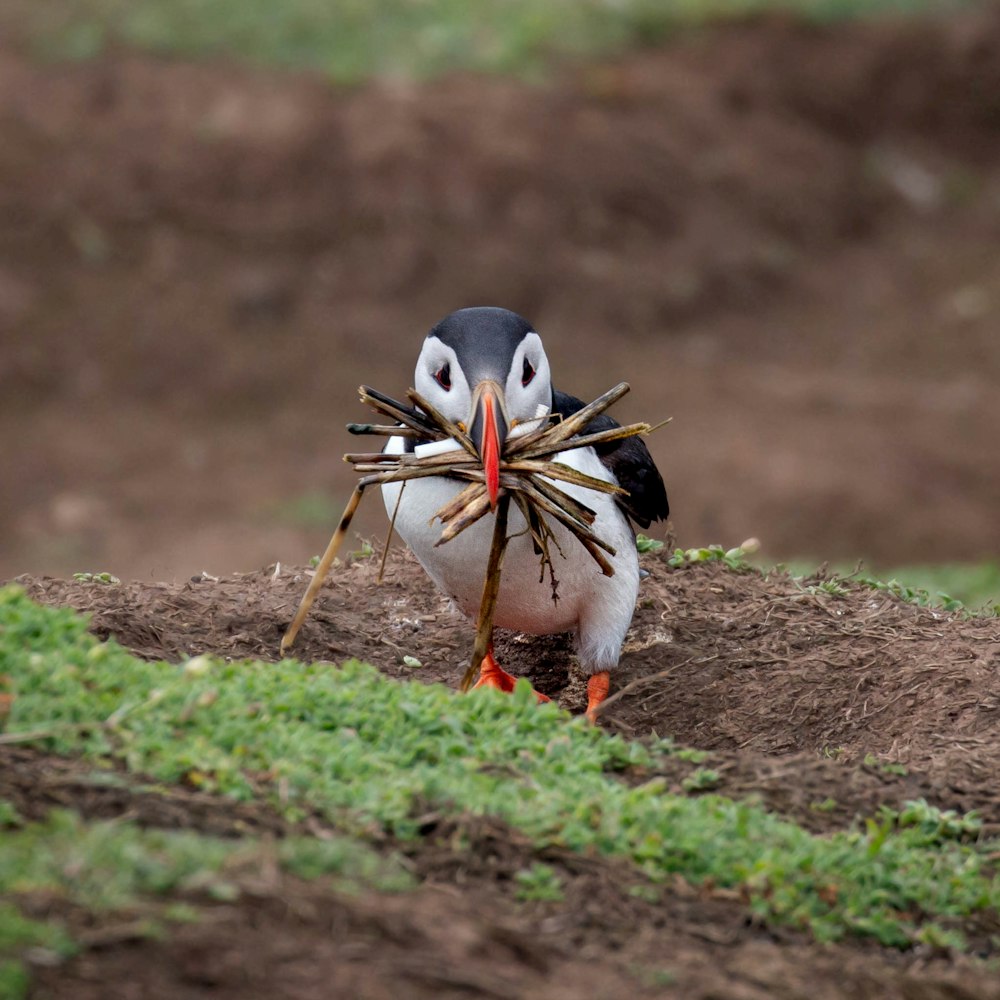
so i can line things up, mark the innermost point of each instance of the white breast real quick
(597, 607)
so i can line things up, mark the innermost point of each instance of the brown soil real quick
(460, 935)
(783, 236)
(803, 699)
(772, 678)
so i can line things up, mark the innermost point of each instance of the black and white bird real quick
(485, 369)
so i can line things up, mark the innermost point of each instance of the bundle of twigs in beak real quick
(527, 472)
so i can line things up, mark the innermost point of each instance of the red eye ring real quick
(527, 372)
(443, 376)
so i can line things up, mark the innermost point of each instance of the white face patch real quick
(435, 357)
(525, 400)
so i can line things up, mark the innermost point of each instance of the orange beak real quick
(489, 432)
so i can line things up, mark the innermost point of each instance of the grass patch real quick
(118, 867)
(373, 755)
(357, 39)
(973, 587)
(19, 934)
(106, 866)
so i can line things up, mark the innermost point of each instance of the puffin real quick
(485, 368)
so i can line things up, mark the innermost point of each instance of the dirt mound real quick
(825, 705)
(758, 669)
(783, 235)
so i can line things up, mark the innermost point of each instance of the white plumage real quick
(598, 608)
(486, 370)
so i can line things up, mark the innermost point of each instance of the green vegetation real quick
(972, 585)
(18, 933)
(539, 883)
(372, 755)
(701, 780)
(934, 825)
(115, 866)
(735, 558)
(644, 543)
(886, 767)
(96, 578)
(949, 586)
(356, 39)
(109, 865)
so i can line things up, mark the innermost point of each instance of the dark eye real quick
(527, 372)
(443, 375)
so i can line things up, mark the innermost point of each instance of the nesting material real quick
(528, 475)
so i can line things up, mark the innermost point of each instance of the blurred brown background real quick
(784, 236)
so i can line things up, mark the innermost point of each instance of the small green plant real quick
(106, 578)
(913, 595)
(833, 587)
(827, 805)
(934, 825)
(646, 544)
(18, 935)
(538, 884)
(647, 892)
(940, 938)
(9, 816)
(886, 767)
(701, 780)
(735, 558)
(366, 551)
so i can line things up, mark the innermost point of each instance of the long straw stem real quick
(491, 588)
(323, 568)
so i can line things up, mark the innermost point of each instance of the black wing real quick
(628, 460)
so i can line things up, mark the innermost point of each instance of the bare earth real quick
(784, 237)
(791, 691)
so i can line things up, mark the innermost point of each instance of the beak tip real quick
(493, 486)
(490, 428)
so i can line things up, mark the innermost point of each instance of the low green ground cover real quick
(371, 755)
(973, 587)
(356, 39)
(118, 867)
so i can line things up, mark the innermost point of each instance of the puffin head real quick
(485, 369)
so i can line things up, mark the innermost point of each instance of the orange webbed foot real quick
(491, 674)
(597, 691)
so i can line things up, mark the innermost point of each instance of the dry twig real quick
(528, 476)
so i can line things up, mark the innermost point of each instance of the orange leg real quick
(597, 691)
(491, 674)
